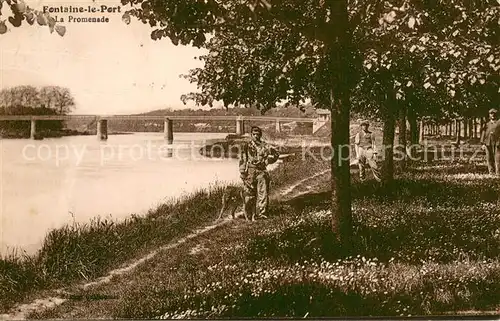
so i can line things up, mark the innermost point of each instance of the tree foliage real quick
(446, 51)
(20, 12)
(278, 52)
(55, 98)
(29, 100)
(250, 61)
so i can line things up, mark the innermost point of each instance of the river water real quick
(46, 184)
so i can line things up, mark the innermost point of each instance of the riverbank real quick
(289, 148)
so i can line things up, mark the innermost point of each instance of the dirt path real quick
(22, 311)
(302, 182)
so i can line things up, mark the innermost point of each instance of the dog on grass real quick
(232, 199)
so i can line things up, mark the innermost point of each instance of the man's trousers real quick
(256, 192)
(493, 159)
(366, 159)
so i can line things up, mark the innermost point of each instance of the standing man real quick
(364, 146)
(490, 143)
(254, 158)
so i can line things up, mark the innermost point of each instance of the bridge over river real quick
(101, 121)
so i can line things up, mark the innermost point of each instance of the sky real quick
(110, 68)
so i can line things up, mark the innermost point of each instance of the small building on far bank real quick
(323, 114)
(322, 119)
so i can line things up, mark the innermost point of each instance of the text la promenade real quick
(82, 10)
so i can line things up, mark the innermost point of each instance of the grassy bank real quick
(80, 252)
(433, 247)
(85, 251)
(427, 244)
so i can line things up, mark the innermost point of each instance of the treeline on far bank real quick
(30, 100)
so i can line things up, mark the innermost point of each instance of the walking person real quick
(490, 143)
(254, 158)
(364, 146)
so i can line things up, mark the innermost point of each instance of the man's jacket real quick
(364, 139)
(256, 155)
(488, 136)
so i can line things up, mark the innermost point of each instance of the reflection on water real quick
(44, 184)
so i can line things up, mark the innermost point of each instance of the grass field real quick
(432, 248)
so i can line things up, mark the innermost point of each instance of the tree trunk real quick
(421, 132)
(342, 71)
(471, 127)
(474, 125)
(481, 126)
(412, 119)
(388, 139)
(466, 128)
(457, 132)
(402, 135)
(340, 169)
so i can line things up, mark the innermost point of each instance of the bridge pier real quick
(240, 126)
(102, 129)
(168, 130)
(33, 134)
(278, 126)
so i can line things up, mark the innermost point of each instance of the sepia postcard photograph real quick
(231, 159)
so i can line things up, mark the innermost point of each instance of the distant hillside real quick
(309, 112)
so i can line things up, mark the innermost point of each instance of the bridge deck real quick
(131, 117)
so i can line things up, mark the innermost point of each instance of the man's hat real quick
(256, 129)
(492, 111)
